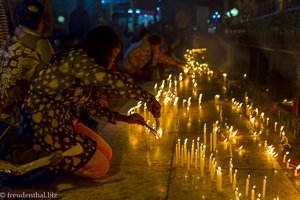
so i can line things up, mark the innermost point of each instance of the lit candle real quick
(182, 151)
(202, 165)
(196, 159)
(230, 173)
(266, 144)
(204, 134)
(264, 187)
(236, 193)
(215, 140)
(178, 144)
(284, 156)
(213, 170)
(296, 170)
(240, 150)
(258, 196)
(253, 193)
(185, 150)
(192, 152)
(275, 126)
(219, 180)
(210, 142)
(188, 159)
(234, 180)
(155, 88)
(288, 164)
(176, 154)
(198, 144)
(281, 129)
(224, 77)
(268, 121)
(247, 186)
(209, 163)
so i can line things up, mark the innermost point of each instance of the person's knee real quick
(101, 171)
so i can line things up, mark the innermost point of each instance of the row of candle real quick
(282, 135)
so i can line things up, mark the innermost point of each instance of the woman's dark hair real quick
(30, 12)
(143, 32)
(99, 43)
(155, 39)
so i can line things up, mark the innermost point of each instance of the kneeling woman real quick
(64, 89)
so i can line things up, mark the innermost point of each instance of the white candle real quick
(182, 160)
(204, 134)
(234, 180)
(192, 152)
(253, 193)
(196, 159)
(178, 143)
(266, 144)
(198, 144)
(275, 126)
(155, 88)
(296, 170)
(176, 154)
(210, 163)
(202, 165)
(264, 187)
(284, 156)
(230, 173)
(215, 140)
(188, 159)
(185, 150)
(268, 121)
(247, 186)
(236, 193)
(210, 142)
(213, 170)
(219, 180)
(288, 164)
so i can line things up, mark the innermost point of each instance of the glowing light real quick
(61, 19)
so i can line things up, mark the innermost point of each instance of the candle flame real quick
(160, 133)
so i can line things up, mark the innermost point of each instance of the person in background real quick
(63, 90)
(79, 23)
(141, 58)
(22, 57)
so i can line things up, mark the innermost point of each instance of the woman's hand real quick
(154, 107)
(134, 118)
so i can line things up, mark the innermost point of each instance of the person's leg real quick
(95, 168)
(102, 145)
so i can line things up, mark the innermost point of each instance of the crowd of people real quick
(43, 94)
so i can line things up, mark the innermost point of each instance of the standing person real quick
(79, 21)
(142, 57)
(63, 90)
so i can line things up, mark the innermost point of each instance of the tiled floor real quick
(145, 168)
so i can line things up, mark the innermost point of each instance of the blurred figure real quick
(140, 35)
(141, 58)
(114, 23)
(79, 21)
(23, 56)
